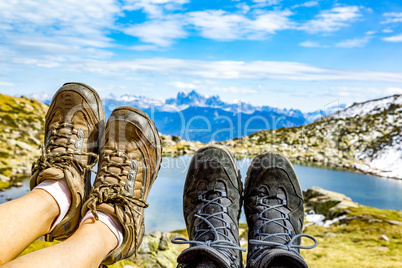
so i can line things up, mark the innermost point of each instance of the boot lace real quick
(260, 241)
(64, 160)
(226, 245)
(115, 193)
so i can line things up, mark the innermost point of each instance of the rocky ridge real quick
(21, 124)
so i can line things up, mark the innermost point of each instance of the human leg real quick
(74, 123)
(23, 220)
(87, 247)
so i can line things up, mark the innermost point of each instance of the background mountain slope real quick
(366, 136)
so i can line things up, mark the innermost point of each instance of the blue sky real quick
(287, 54)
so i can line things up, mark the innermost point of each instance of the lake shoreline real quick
(187, 150)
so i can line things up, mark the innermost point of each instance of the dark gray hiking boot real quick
(275, 214)
(211, 208)
(74, 128)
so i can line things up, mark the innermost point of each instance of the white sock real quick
(111, 222)
(61, 193)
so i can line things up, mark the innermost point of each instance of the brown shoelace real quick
(115, 194)
(63, 160)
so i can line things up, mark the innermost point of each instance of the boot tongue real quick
(212, 209)
(63, 140)
(114, 169)
(52, 173)
(273, 227)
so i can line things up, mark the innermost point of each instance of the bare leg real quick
(24, 220)
(87, 247)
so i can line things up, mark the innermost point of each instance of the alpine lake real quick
(165, 199)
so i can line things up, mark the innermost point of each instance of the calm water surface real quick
(165, 199)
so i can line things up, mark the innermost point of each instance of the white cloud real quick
(306, 4)
(70, 16)
(354, 92)
(387, 31)
(221, 25)
(70, 29)
(267, 2)
(154, 8)
(41, 96)
(355, 42)
(234, 90)
(395, 38)
(198, 69)
(160, 33)
(333, 19)
(371, 32)
(310, 4)
(310, 44)
(393, 90)
(6, 84)
(392, 17)
(243, 7)
(182, 85)
(144, 47)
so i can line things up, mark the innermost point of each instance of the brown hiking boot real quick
(74, 124)
(129, 162)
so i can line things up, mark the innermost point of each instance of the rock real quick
(18, 184)
(329, 234)
(157, 251)
(381, 249)
(4, 178)
(163, 242)
(384, 237)
(8, 198)
(328, 203)
(176, 138)
(395, 222)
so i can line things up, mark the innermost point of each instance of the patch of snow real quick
(319, 219)
(315, 219)
(387, 162)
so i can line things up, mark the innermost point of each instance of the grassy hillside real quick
(21, 132)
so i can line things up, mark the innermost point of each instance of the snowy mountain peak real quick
(194, 99)
(370, 107)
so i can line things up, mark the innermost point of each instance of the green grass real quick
(357, 244)
(4, 184)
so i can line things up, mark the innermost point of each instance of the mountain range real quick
(366, 136)
(195, 117)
